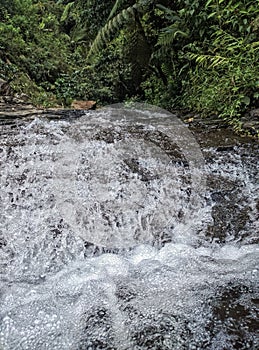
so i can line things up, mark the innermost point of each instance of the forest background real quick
(201, 56)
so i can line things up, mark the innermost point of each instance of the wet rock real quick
(83, 105)
(225, 148)
(250, 122)
(235, 313)
(233, 209)
(135, 167)
(254, 113)
(97, 333)
(219, 184)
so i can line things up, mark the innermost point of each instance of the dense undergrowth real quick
(198, 55)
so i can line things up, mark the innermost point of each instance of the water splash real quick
(106, 237)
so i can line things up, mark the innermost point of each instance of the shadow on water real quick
(120, 229)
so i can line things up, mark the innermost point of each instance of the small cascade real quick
(118, 232)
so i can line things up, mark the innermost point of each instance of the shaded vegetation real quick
(197, 55)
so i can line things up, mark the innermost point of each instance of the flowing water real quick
(118, 232)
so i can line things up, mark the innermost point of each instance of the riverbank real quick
(208, 131)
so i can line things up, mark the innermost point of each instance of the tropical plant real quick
(225, 77)
(201, 55)
(125, 28)
(214, 66)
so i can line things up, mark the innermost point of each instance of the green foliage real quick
(210, 50)
(31, 42)
(105, 81)
(90, 15)
(157, 93)
(115, 8)
(115, 23)
(112, 26)
(23, 84)
(225, 79)
(200, 55)
(67, 11)
(124, 32)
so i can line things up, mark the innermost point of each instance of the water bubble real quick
(119, 176)
(105, 237)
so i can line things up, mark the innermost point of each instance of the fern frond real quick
(115, 8)
(233, 45)
(168, 35)
(167, 68)
(209, 61)
(116, 23)
(225, 39)
(161, 52)
(111, 28)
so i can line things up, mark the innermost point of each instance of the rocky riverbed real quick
(126, 230)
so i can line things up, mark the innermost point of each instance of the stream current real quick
(118, 232)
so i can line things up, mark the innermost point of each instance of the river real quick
(123, 230)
